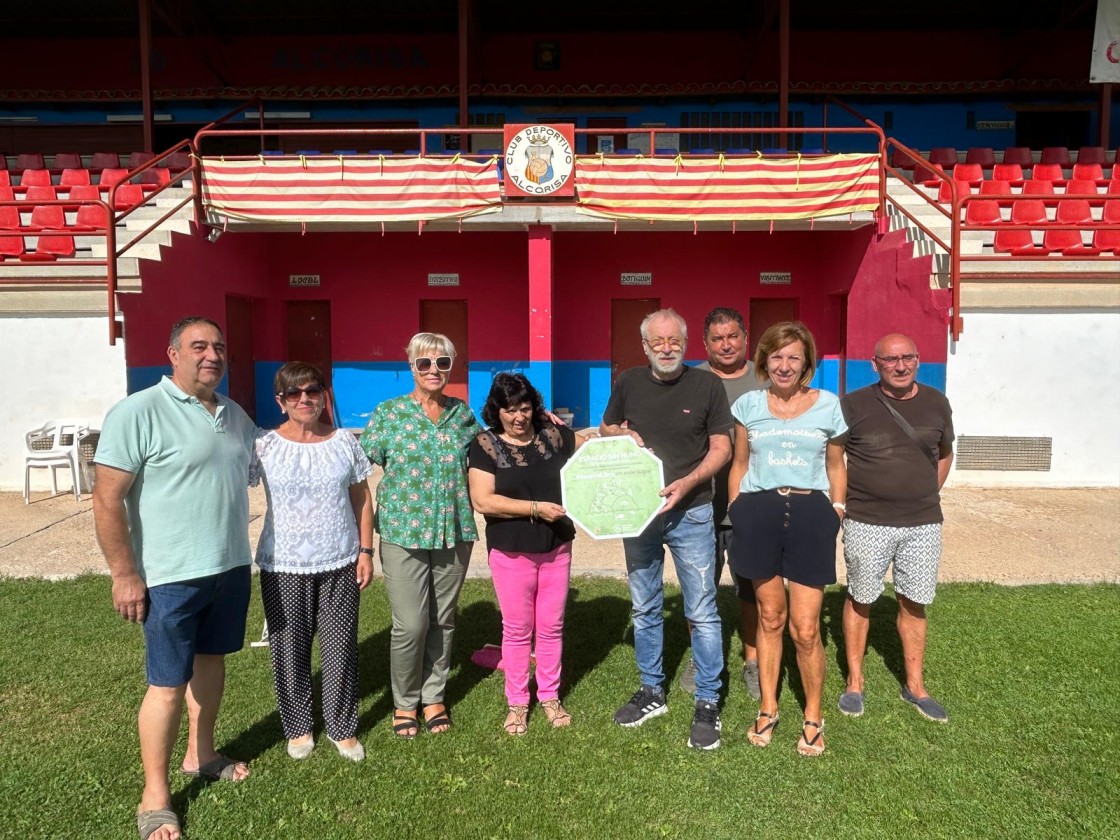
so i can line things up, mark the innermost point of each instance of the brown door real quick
(239, 354)
(765, 312)
(627, 315)
(449, 317)
(309, 339)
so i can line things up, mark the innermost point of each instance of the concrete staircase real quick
(60, 288)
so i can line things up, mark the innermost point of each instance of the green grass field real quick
(1029, 676)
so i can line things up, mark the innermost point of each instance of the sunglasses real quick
(292, 394)
(424, 364)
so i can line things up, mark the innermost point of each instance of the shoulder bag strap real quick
(906, 427)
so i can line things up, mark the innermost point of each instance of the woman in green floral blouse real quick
(426, 525)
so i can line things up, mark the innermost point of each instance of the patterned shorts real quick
(870, 549)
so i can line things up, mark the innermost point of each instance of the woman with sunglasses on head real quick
(786, 490)
(427, 529)
(315, 554)
(515, 482)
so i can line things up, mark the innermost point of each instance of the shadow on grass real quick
(593, 627)
(882, 635)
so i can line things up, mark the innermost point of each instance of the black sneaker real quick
(705, 726)
(645, 704)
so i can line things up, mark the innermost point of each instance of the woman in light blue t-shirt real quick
(787, 488)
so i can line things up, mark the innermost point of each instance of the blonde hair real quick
(782, 335)
(424, 343)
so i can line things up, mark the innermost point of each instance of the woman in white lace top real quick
(315, 554)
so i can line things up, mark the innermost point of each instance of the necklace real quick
(785, 409)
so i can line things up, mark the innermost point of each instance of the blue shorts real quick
(200, 616)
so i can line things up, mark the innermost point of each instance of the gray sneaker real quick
(851, 703)
(706, 726)
(688, 677)
(927, 707)
(645, 704)
(750, 677)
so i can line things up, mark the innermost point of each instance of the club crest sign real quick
(539, 160)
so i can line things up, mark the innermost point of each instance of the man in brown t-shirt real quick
(900, 448)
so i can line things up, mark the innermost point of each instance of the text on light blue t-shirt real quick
(788, 453)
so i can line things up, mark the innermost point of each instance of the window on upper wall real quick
(739, 119)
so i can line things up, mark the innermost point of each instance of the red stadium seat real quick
(945, 155)
(945, 191)
(926, 174)
(47, 216)
(973, 173)
(983, 155)
(68, 160)
(30, 160)
(1109, 240)
(91, 217)
(82, 192)
(1048, 172)
(1114, 186)
(177, 162)
(74, 178)
(1088, 172)
(996, 188)
(158, 175)
(1056, 154)
(138, 159)
(1034, 187)
(1020, 242)
(105, 160)
(5, 178)
(1071, 211)
(11, 245)
(6, 193)
(35, 178)
(1080, 188)
(41, 194)
(112, 176)
(1092, 154)
(1012, 173)
(982, 213)
(1018, 154)
(128, 196)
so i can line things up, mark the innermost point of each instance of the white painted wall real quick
(56, 367)
(1041, 373)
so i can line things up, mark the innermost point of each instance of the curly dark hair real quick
(508, 390)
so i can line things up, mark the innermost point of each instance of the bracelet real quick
(364, 550)
(840, 506)
(533, 511)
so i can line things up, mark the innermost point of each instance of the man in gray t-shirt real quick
(725, 339)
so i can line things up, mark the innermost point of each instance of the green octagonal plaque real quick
(610, 487)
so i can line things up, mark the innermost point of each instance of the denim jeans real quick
(690, 537)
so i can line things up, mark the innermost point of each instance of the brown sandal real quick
(517, 720)
(557, 715)
(811, 747)
(761, 737)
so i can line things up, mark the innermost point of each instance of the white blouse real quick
(309, 526)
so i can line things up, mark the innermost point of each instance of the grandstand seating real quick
(111, 176)
(1109, 240)
(1071, 211)
(982, 212)
(5, 178)
(1020, 243)
(30, 160)
(1051, 172)
(36, 193)
(128, 196)
(1092, 154)
(1088, 172)
(973, 173)
(945, 191)
(158, 175)
(91, 217)
(10, 245)
(138, 159)
(68, 160)
(177, 162)
(1009, 172)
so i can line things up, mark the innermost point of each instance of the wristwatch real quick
(364, 550)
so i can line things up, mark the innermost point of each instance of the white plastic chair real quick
(52, 445)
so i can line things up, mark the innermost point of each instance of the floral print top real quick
(422, 500)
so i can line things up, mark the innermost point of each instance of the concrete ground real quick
(1006, 536)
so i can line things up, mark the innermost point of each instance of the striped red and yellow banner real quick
(727, 188)
(349, 189)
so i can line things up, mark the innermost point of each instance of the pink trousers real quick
(532, 593)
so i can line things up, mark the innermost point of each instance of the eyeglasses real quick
(293, 394)
(907, 359)
(424, 364)
(658, 343)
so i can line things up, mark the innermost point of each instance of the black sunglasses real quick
(424, 364)
(292, 394)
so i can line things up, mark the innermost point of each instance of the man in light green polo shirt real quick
(172, 512)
